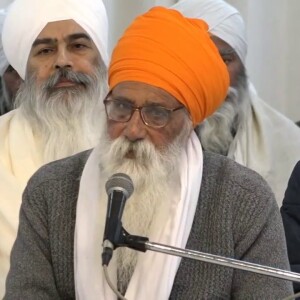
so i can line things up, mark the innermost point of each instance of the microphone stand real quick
(143, 244)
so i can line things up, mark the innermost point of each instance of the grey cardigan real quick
(236, 217)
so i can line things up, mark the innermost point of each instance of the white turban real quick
(27, 18)
(3, 60)
(224, 21)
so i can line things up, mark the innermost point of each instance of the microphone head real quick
(119, 182)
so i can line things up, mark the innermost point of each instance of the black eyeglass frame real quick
(139, 108)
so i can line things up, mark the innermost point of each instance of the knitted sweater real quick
(236, 217)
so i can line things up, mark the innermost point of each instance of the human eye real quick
(228, 56)
(155, 115)
(44, 51)
(79, 46)
(121, 106)
(119, 110)
(227, 59)
(157, 111)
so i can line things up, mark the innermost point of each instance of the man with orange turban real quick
(245, 128)
(165, 77)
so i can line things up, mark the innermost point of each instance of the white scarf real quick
(20, 157)
(154, 273)
(268, 144)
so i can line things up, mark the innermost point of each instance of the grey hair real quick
(217, 132)
(66, 121)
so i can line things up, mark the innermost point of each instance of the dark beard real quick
(217, 132)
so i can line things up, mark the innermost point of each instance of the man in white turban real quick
(245, 128)
(59, 48)
(185, 197)
(9, 78)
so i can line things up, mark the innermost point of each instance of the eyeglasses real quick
(152, 115)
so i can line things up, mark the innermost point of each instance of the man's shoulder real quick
(216, 163)
(268, 115)
(227, 172)
(70, 167)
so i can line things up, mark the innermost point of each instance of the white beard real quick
(155, 175)
(66, 121)
(217, 132)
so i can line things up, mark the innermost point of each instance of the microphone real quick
(119, 188)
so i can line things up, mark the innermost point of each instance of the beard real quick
(155, 175)
(64, 120)
(217, 132)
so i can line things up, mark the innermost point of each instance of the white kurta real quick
(20, 157)
(269, 144)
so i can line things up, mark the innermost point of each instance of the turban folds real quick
(224, 21)
(164, 49)
(27, 18)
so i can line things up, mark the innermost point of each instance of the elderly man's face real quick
(139, 95)
(62, 45)
(231, 59)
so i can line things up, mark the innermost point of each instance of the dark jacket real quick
(290, 212)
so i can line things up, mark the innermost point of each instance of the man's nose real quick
(135, 129)
(63, 59)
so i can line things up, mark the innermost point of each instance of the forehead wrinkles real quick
(140, 93)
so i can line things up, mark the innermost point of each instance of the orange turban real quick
(164, 49)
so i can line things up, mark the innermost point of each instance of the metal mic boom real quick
(143, 244)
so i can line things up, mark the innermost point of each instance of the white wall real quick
(273, 63)
(122, 12)
(4, 3)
